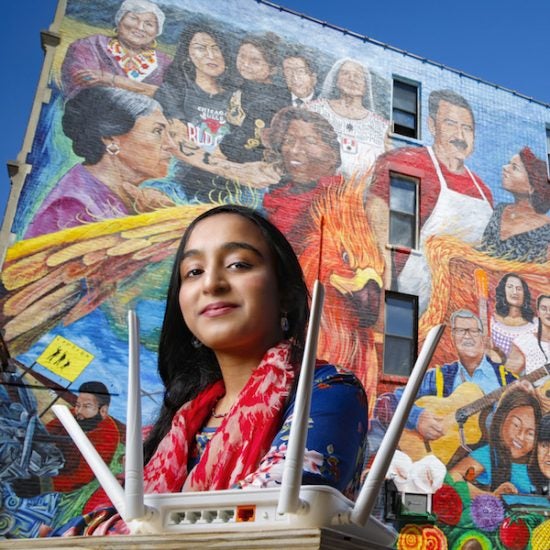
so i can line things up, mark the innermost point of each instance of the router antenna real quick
(105, 477)
(289, 499)
(377, 474)
(320, 261)
(135, 508)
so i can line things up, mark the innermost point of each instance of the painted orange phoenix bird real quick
(351, 268)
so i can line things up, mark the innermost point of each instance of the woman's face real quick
(252, 64)
(351, 79)
(206, 55)
(514, 292)
(518, 431)
(543, 457)
(138, 30)
(306, 157)
(229, 294)
(147, 148)
(543, 312)
(515, 178)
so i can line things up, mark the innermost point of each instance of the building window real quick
(403, 210)
(400, 333)
(405, 108)
(548, 149)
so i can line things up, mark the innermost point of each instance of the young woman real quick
(230, 346)
(539, 469)
(521, 230)
(502, 466)
(259, 97)
(513, 315)
(531, 351)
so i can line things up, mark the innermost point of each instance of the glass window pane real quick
(399, 316)
(404, 96)
(398, 356)
(402, 195)
(404, 119)
(402, 230)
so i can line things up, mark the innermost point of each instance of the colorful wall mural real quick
(191, 103)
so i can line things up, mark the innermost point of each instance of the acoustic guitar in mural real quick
(460, 419)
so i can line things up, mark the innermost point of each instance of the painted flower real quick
(487, 512)
(410, 538)
(447, 505)
(434, 538)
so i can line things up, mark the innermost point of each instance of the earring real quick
(113, 149)
(195, 342)
(284, 323)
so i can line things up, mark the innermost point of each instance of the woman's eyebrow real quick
(229, 246)
(236, 245)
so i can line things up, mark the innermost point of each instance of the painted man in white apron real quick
(452, 199)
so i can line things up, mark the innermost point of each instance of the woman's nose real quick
(214, 281)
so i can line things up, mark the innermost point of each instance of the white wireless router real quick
(292, 506)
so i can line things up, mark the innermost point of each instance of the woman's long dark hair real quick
(501, 459)
(182, 68)
(186, 370)
(540, 481)
(503, 308)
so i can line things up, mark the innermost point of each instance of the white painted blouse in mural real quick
(504, 336)
(535, 356)
(361, 140)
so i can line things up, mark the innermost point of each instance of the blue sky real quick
(504, 42)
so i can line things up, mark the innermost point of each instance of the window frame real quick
(397, 80)
(413, 300)
(394, 175)
(548, 149)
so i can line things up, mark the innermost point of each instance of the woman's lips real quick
(217, 309)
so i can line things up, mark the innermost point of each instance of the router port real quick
(226, 515)
(209, 515)
(246, 513)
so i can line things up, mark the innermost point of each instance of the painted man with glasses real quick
(472, 365)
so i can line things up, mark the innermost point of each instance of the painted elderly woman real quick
(124, 140)
(127, 60)
(347, 102)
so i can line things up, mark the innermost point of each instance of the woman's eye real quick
(345, 257)
(190, 273)
(239, 265)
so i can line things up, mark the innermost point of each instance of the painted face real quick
(138, 30)
(306, 157)
(543, 312)
(86, 406)
(252, 65)
(299, 79)
(206, 55)
(468, 339)
(146, 149)
(351, 79)
(453, 131)
(515, 178)
(229, 294)
(514, 292)
(543, 457)
(518, 431)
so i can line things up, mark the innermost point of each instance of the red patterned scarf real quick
(240, 442)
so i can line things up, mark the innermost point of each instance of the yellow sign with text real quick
(65, 358)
